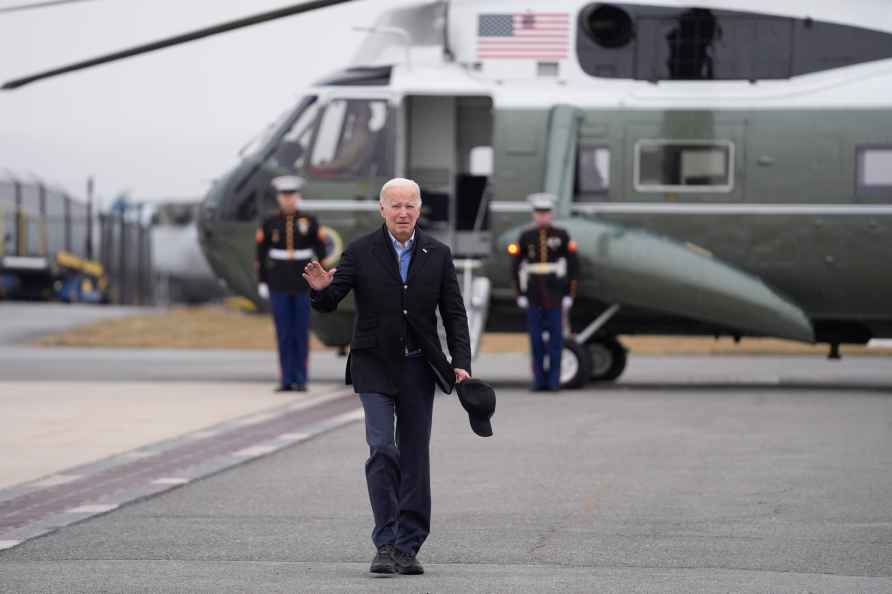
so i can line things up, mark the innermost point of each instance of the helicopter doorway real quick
(449, 153)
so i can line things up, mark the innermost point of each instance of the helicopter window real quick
(593, 169)
(348, 142)
(291, 152)
(689, 165)
(254, 145)
(874, 168)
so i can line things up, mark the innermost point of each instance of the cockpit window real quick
(253, 146)
(291, 153)
(351, 140)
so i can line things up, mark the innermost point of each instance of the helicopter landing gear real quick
(608, 359)
(576, 364)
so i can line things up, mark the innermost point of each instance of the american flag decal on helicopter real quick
(528, 35)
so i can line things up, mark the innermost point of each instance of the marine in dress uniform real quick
(286, 242)
(545, 276)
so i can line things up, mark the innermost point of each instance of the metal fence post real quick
(67, 203)
(122, 259)
(89, 253)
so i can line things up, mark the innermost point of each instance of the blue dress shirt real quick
(403, 253)
(403, 257)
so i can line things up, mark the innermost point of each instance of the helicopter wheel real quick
(608, 359)
(576, 363)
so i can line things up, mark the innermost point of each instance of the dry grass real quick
(219, 327)
(207, 327)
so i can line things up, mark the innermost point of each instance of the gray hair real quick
(399, 182)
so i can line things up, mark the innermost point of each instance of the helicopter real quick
(724, 167)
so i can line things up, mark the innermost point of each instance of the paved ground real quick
(20, 322)
(743, 474)
(61, 425)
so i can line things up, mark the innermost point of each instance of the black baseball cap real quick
(479, 399)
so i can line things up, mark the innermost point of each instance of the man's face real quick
(542, 217)
(400, 208)
(287, 200)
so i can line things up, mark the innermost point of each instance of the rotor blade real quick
(47, 4)
(176, 40)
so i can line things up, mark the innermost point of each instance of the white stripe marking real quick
(8, 544)
(349, 205)
(170, 481)
(57, 479)
(708, 208)
(258, 418)
(731, 208)
(254, 451)
(97, 508)
(294, 436)
(138, 455)
(203, 434)
(345, 418)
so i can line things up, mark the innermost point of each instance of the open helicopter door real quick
(449, 153)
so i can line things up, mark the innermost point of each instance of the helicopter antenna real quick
(33, 5)
(241, 23)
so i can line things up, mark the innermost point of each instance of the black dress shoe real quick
(299, 387)
(284, 389)
(406, 563)
(383, 561)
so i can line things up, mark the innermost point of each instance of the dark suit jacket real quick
(387, 309)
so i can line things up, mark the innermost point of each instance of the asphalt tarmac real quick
(693, 474)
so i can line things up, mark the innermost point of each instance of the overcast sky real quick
(161, 125)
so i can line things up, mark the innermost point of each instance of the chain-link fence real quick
(52, 244)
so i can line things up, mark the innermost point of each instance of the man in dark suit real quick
(399, 276)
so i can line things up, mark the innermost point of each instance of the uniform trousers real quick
(539, 320)
(291, 313)
(398, 430)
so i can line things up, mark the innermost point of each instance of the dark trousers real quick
(539, 320)
(291, 313)
(398, 469)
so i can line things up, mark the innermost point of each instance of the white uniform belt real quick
(277, 254)
(559, 268)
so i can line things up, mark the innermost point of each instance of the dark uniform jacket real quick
(388, 310)
(546, 268)
(285, 243)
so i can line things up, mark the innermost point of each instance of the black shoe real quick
(406, 563)
(299, 387)
(383, 561)
(284, 389)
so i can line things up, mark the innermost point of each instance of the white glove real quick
(567, 302)
(263, 291)
(523, 302)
